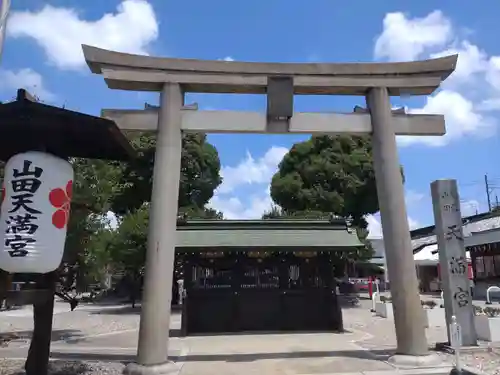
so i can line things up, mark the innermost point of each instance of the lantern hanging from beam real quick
(36, 197)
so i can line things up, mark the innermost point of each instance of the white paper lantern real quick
(36, 196)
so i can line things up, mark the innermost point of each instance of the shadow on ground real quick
(250, 357)
(174, 332)
(260, 333)
(380, 355)
(57, 335)
(123, 358)
(125, 310)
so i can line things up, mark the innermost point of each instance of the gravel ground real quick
(15, 367)
(73, 324)
(487, 362)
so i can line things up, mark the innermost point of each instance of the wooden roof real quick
(29, 125)
(283, 234)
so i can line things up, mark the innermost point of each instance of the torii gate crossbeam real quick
(280, 82)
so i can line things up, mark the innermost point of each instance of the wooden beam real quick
(254, 122)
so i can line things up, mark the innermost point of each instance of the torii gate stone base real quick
(174, 77)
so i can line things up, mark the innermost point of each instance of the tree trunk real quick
(37, 362)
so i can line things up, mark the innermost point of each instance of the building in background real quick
(484, 249)
(482, 240)
(426, 252)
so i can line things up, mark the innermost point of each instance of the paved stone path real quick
(109, 334)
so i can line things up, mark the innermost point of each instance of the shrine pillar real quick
(410, 332)
(154, 330)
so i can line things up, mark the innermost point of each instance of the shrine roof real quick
(326, 235)
(30, 125)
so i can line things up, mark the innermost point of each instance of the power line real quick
(489, 184)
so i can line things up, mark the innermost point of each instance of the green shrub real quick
(430, 304)
(491, 312)
(478, 310)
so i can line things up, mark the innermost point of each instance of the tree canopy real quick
(95, 183)
(277, 212)
(200, 176)
(328, 174)
(129, 243)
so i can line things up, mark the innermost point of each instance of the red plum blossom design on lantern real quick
(61, 199)
(2, 194)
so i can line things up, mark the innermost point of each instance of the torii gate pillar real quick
(395, 228)
(155, 315)
(280, 82)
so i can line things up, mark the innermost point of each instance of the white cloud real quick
(471, 60)
(414, 224)
(472, 89)
(405, 39)
(491, 104)
(412, 197)
(251, 171)
(375, 226)
(61, 31)
(493, 73)
(469, 207)
(235, 208)
(492, 77)
(227, 58)
(259, 172)
(28, 79)
(111, 219)
(461, 116)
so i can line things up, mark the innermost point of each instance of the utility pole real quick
(4, 12)
(487, 191)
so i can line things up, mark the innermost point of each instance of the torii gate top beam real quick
(145, 73)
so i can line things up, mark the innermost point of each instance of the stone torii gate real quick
(280, 81)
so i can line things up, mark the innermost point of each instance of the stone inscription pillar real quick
(408, 315)
(452, 259)
(152, 354)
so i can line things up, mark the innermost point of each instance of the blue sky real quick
(42, 53)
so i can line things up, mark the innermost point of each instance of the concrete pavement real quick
(363, 349)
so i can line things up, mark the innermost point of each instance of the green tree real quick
(200, 176)
(129, 244)
(329, 174)
(86, 248)
(276, 212)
